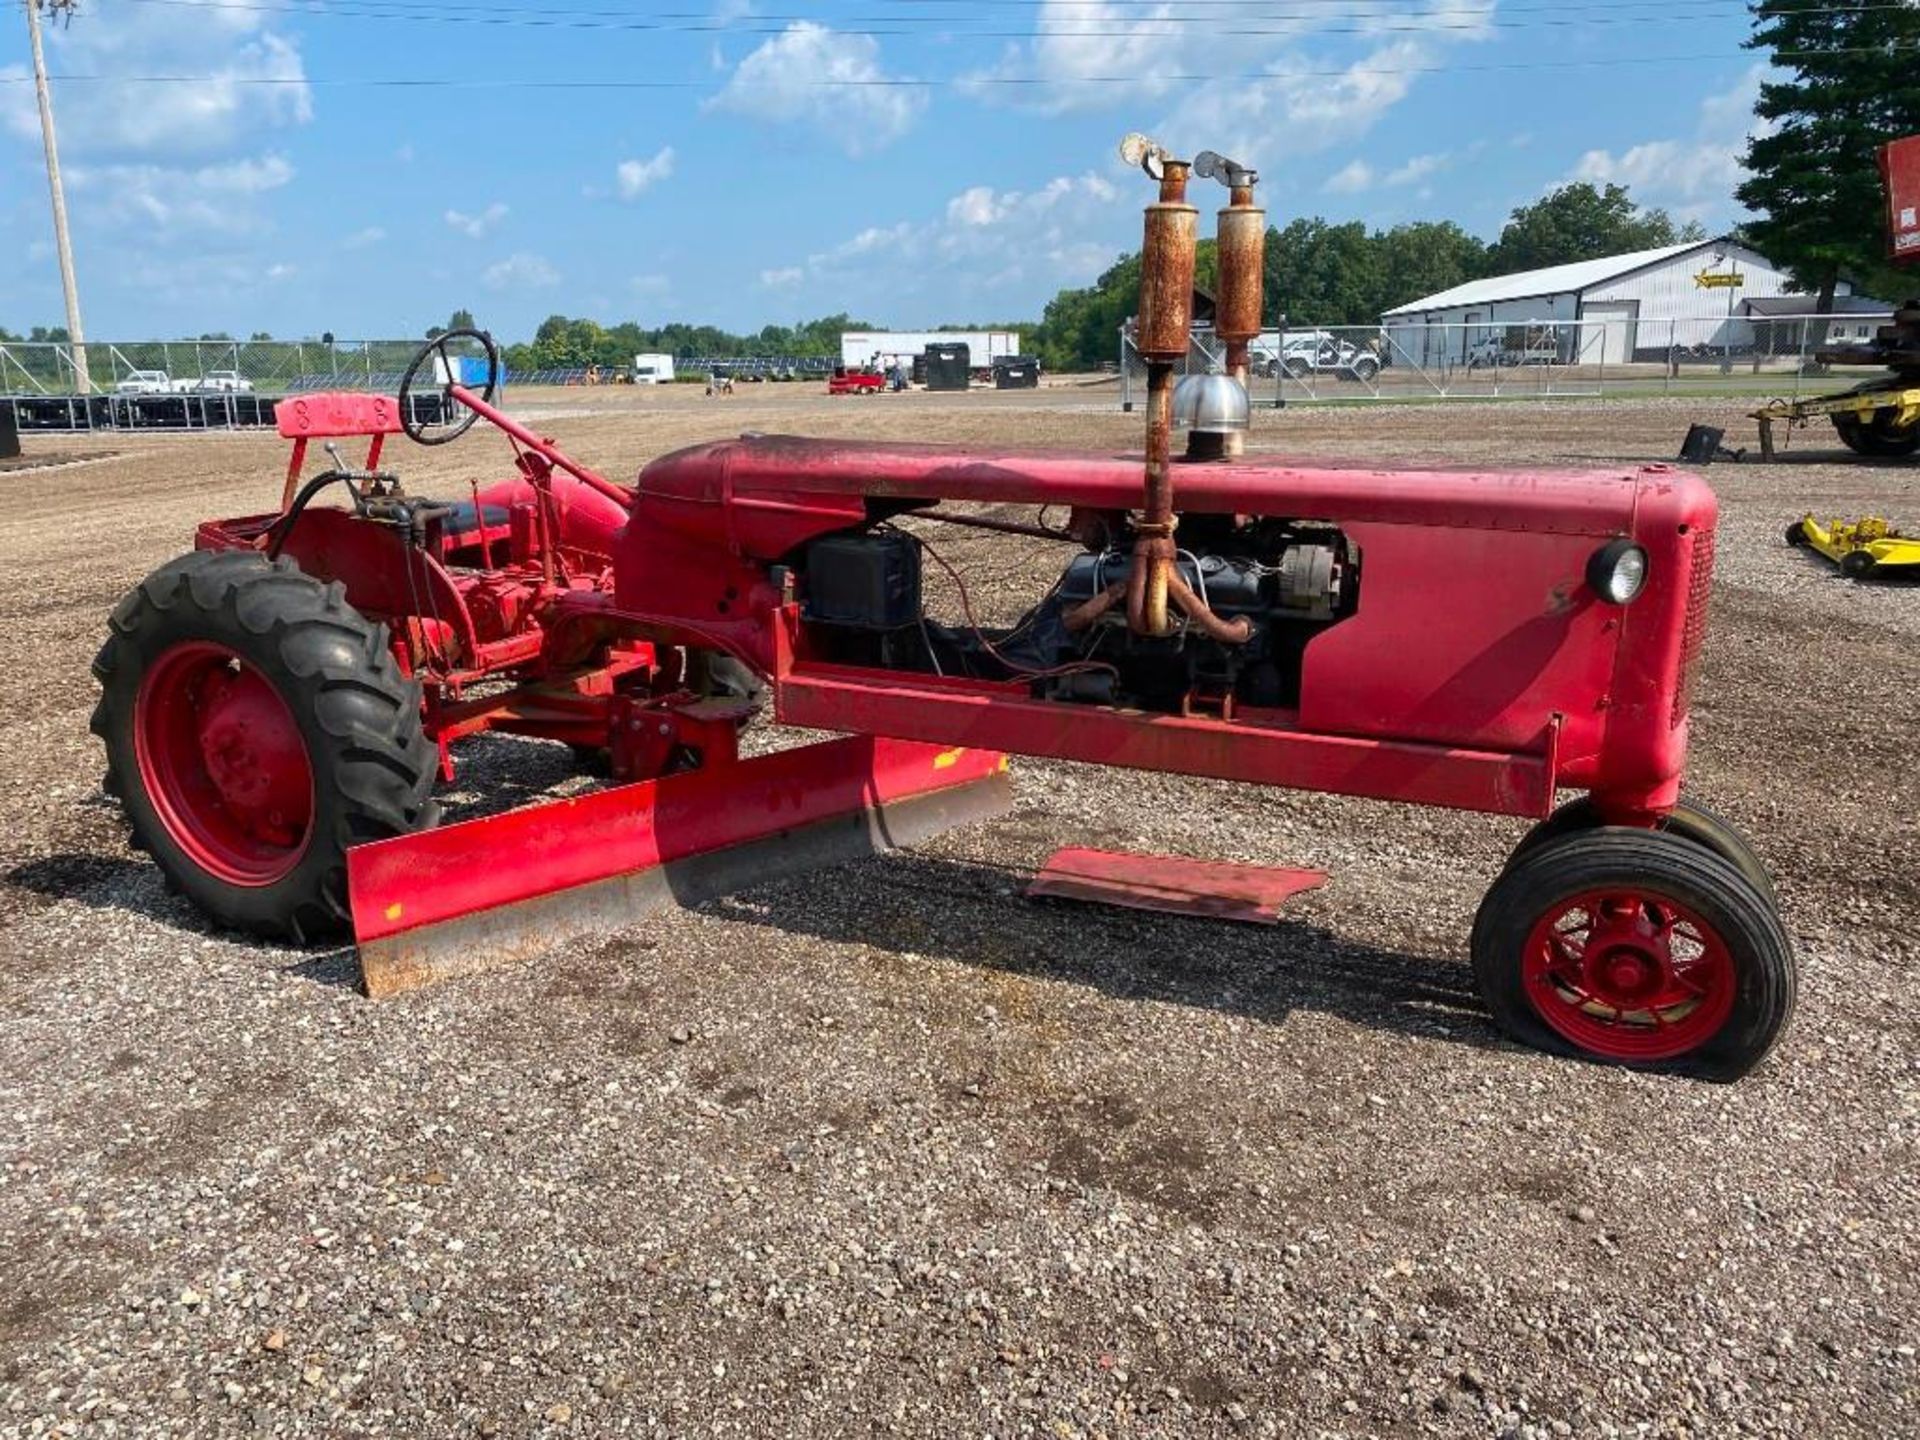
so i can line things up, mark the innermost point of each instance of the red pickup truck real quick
(855, 382)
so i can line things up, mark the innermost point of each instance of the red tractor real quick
(844, 381)
(278, 704)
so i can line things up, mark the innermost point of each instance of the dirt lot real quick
(895, 1151)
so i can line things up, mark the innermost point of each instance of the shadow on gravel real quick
(975, 914)
(111, 883)
(964, 911)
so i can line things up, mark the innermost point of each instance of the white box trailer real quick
(653, 369)
(883, 349)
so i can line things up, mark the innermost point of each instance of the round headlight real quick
(1618, 571)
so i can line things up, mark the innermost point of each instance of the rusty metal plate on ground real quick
(1213, 889)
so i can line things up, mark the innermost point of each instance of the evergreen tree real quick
(1851, 82)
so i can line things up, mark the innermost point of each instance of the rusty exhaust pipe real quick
(1165, 328)
(1242, 242)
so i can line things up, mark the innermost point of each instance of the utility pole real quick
(76, 337)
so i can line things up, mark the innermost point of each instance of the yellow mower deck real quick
(1858, 547)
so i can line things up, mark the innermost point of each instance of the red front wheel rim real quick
(224, 764)
(1628, 975)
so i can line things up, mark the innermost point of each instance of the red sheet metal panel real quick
(1900, 163)
(1214, 889)
(410, 893)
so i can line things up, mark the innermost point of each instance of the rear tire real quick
(1635, 948)
(1875, 436)
(256, 727)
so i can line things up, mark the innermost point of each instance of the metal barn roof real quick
(1554, 280)
(1792, 306)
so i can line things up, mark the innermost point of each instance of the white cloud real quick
(1081, 49)
(1417, 168)
(254, 81)
(520, 271)
(977, 205)
(476, 227)
(648, 285)
(981, 245)
(361, 239)
(1297, 104)
(1692, 177)
(1352, 178)
(813, 75)
(1096, 54)
(633, 177)
(873, 238)
(163, 200)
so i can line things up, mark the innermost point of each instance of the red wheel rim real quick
(224, 764)
(1629, 976)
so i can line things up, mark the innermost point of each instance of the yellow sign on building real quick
(1719, 279)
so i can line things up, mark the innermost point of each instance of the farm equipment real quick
(855, 382)
(277, 705)
(1859, 547)
(1881, 418)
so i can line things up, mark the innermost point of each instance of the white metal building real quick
(887, 348)
(1632, 306)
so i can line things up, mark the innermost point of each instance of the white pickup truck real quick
(145, 382)
(227, 382)
(158, 382)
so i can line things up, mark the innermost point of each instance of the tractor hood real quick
(767, 492)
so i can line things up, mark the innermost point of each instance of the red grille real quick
(1699, 582)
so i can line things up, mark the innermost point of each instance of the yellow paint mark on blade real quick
(947, 759)
(393, 911)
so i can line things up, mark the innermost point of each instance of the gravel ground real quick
(895, 1151)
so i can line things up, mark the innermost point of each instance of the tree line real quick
(1319, 272)
(563, 343)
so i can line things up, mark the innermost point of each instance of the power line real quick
(428, 82)
(1277, 24)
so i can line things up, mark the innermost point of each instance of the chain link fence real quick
(1761, 356)
(273, 367)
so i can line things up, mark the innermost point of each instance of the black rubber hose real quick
(283, 527)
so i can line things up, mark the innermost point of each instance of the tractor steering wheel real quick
(443, 378)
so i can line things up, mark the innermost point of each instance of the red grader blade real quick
(1173, 885)
(468, 897)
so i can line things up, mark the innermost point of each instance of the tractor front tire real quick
(1689, 819)
(1637, 948)
(1797, 535)
(257, 726)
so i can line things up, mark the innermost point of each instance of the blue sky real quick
(753, 161)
